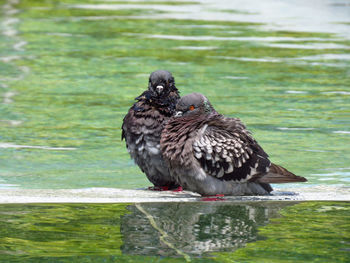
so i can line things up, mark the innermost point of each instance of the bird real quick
(212, 155)
(143, 124)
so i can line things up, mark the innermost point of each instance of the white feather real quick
(196, 148)
(140, 149)
(198, 155)
(220, 174)
(230, 168)
(139, 139)
(153, 150)
(208, 156)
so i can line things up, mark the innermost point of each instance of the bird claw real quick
(218, 197)
(179, 189)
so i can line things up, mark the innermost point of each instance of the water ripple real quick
(235, 77)
(16, 146)
(234, 38)
(295, 129)
(195, 48)
(296, 92)
(337, 92)
(310, 46)
(296, 61)
(342, 132)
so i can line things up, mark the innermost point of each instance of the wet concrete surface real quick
(114, 195)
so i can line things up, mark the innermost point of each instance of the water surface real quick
(70, 70)
(176, 232)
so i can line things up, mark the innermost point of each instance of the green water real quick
(69, 73)
(176, 232)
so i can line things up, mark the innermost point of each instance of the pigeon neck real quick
(165, 105)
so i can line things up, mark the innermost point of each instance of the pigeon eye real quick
(191, 107)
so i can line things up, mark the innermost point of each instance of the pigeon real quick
(211, 154)
(143, 124)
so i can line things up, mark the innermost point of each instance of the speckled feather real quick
(227, 150)
(222, 146)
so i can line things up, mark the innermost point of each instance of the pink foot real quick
(179, 189)
(218, 197)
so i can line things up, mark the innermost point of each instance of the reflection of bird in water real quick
(178, 229)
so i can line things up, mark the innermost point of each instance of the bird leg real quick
(178, 189)
(218, 197)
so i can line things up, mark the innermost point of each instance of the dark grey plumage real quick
(143, 124)
(212, 154)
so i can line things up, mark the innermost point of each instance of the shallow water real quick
(176, 232)
(69, 72)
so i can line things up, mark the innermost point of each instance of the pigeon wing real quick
(230, 153)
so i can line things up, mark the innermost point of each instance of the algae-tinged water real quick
(69, 71)
(176, 232)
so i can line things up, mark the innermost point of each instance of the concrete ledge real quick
(113, 195)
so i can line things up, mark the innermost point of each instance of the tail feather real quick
(277, 174)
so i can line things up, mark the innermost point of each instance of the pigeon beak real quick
(159, 89)
(178, 114)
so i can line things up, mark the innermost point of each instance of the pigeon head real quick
(193, 104)
(161, 83)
